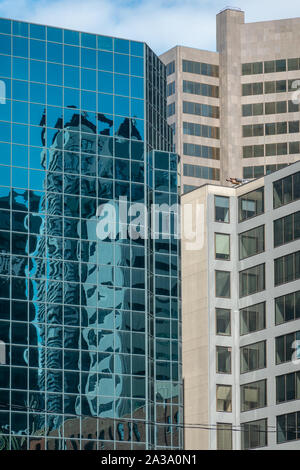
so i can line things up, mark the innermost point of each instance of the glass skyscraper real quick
(89, 328)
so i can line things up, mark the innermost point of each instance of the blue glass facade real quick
(91, 327)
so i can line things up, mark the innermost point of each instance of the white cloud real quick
(160, 23)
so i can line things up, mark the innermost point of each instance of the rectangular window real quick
(270, 108)
(224, 436)
(222, 246)
(201, 130)
(188, 188)
(286, 229)
(253, 130)
(171, 109)
(275, 87)
(293, 127)
(252, 68)
(252, 280)
(294, 147)
(170, 88)
(270, 128)
(281, 86)
(276, 149)
(286, 190)
(292, 84)
(252, 242)
(286, 347)
(288, 427)
(293, 64)
(255, 109)
(252, 89)
(254, 434)
(293, 107)
(224, 398)
(253, 318)
(251, 204)
(254, 395)
(197, 171)
(281, 107)
(258, 150)
(253, 357)
(269, 66)
(288, 387)
(280, 65)
(200, 68)
(200, 109)
(223, 284)
(196, 88)
(223, 360)
(270, 87)
(223, 323)
(222, 209)
(250, 151)
(287, 268)
(170, 68)
(202, 151)
(287, 308)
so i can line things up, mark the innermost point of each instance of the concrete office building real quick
(232, 110)
(90, 324)
(241, 311)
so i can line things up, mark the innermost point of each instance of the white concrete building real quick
(241, 316)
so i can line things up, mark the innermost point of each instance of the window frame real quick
(264, 342)
(241, 198)
(241, 294)
(248, 308)
(222, 271)
(216, 320)
(257, 252)
(229, 350)
(265, 398)
(215, 219)
(250, 423)
(228, 236)
(230, 401)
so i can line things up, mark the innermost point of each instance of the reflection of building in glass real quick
(90, 326)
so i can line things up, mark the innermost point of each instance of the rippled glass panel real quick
(84, 318)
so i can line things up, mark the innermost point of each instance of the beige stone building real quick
(241, 314)
(232, 111)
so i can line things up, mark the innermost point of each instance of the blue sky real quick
(160, 23)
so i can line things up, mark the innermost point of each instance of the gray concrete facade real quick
(239, 43)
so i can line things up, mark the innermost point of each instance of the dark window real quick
(223, 323)
(288, 387)
(252, 280)
(223, 284)
(251, 204)
(287, 268)
(254, 434)
(253, 395)
(287, 307)
(222, 209)
(252, 242)
(222, 246)
(287, 347)
(223, 360)
(253, 357)
(288, 427)
(253, 318)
